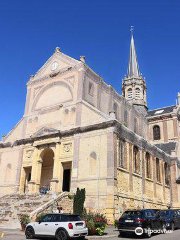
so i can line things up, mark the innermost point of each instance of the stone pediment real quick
(45, 131)
(56, 63)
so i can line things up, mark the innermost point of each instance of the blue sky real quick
(100, 30)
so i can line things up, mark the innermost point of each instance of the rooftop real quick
(161, 111)
(167, 147)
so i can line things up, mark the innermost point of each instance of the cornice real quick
(162, 117)
(55, 74)
(118, 129)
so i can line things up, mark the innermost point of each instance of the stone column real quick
(131, 167)
(22, 181)
(175, 126)
(111, 173)
(32, 183)
(174, 186)
(38, 173)
(75, 163)
(143, 171)
(163, 181)
(154, 177)
(165, 131)
(55, 179)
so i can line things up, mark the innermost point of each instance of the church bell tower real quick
(134, 85)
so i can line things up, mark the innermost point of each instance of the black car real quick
(172, 218)
(141, 222)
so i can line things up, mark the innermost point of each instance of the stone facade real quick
(77, 131)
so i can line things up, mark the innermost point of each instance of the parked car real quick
(60, 226)
(144, 220)
(172, 218)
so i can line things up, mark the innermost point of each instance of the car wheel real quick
(148, 233)
(29, 233)
(172, 226)
(61, 235)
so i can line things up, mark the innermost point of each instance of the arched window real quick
(137, 93)
(92, 163)
(8, 173)
(135, 125)
(136, 159)
(126, 117)
(129, 93)
(121, 153)
(158, 173)
(148, 166)
(156, 132)
(166, 171)
(115, 108)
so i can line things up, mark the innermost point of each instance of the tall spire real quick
(134, 85)
(133, 68)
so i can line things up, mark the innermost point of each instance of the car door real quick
(53, 225)
(148, 217)
(178, 213)
(175, 218)
(43, 225)
(155, 220)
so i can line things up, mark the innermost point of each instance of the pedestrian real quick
(56, 211)
(61, 210)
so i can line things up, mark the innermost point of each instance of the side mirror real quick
(39, 221)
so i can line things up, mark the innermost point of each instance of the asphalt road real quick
(11, 235)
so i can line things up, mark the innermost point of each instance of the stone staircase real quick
(32, 204)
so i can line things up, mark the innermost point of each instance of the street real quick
(15, 235)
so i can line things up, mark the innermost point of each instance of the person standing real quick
(61, 210)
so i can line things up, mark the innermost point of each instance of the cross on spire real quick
(133, 68)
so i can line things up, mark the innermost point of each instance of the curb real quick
(7, 233)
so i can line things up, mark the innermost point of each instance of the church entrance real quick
(66, 177)
(47, 157)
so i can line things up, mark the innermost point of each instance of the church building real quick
(77, 131)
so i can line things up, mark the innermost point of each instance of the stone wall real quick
(137, 190)
(10, 164)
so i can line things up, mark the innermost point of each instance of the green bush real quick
(70, 196)
(78, 203)
(115, 223)
(100, 230)
(90, 224)
(24, 219)
(99, 220)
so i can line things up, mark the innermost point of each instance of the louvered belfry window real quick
(129, 93)
(137, 93)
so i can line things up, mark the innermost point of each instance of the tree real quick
(79, 199)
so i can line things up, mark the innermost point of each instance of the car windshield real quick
(132, 214)
(165, 213)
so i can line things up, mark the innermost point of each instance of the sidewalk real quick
(109, 233)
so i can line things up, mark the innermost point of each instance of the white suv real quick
(60, 226)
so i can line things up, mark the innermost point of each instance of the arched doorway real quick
(47, 157)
